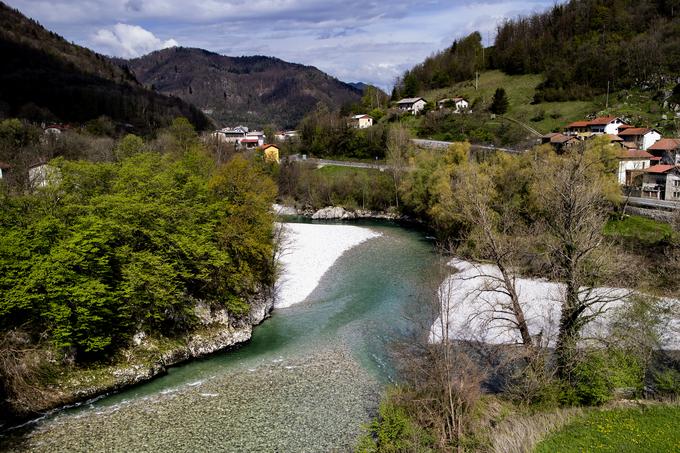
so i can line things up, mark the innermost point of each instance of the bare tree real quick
(493, 236)
(572, 192)
(399, 145)
(443, 380)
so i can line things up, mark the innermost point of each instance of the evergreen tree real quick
(500, 102)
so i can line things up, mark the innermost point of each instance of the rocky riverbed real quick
(338, 213)
(308, 403)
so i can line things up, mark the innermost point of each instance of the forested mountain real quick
(581, 46)
(255, 91)
(455, 64)
(45, 78)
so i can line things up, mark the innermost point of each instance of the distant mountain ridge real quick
(45, 78)
(254, 91)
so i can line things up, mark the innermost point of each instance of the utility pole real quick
(476, 80)
(607, 106)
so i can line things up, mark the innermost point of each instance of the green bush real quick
(392, 432)
(667, 383)
(599, 373)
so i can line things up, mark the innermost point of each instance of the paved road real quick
(343, 163)
(653, 204)
(425, 143)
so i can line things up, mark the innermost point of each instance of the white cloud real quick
(354, 40)
(129, 41)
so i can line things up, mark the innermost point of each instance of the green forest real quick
(580, 46)
(110, 248)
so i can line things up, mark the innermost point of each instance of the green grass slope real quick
(638, 106)
(646, 429)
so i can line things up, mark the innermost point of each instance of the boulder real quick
(333, 213)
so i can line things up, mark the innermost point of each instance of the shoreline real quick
(215, 334)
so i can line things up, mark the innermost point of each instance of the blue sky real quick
(369, 41)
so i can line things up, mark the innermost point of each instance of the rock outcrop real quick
(333, 213)
(146, 358)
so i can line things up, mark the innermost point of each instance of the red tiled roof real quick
(560, 138)
(601, 121)
(634, 154)
(578, 124)
(635, 131)
(269, 146)
(666, 144)
(660, 168)
(250, 140)
(614, 138)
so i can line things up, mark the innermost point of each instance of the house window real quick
(676, 183)
(676, 194)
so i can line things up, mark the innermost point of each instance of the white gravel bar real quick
(309, 250)
(470, 308)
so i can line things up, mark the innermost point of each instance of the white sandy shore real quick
(309, 251)
(471, 308)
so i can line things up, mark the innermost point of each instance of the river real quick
(309, 378)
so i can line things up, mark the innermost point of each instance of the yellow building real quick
(271, 153)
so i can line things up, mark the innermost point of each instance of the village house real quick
(667, 150)
(559, 141)
(605, 125)
(598, 126)
(642, 137)
(248, 143)
(231, 135)
(661, 182)
(631, 163)
(458, 104)
(361, 121)
(257, 135)
(412, 105)
(578, 128)
(271, 153)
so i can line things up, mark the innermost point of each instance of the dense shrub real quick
(112, 248)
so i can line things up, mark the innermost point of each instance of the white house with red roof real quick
(642, 137)
(631, 163)
(600, 125)
(606, 125)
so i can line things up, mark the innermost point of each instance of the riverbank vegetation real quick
(536, 215)
(125, 243)
(308, 187)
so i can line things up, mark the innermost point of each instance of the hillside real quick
(255, 91)
(582, 47)
(45, 78)
(637, 105)
(556, 67)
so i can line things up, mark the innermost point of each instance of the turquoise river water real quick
(309, 378)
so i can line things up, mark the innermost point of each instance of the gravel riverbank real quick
(308, 403)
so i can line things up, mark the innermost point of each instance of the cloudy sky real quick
(369, 41)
